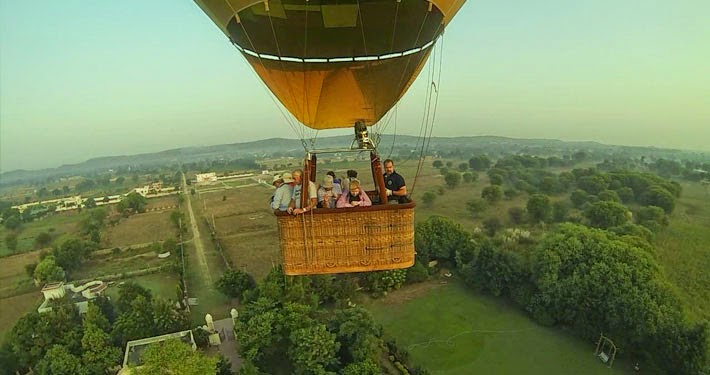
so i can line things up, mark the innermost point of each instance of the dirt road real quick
(199, 247)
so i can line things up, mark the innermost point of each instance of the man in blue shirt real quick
(394, 182)
(282, 196)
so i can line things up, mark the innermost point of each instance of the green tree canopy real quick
(606, 214)
(175, 357)
(539, 208)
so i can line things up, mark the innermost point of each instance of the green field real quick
(161, 284)
(449, 329)
(683, 248)
(55, 224)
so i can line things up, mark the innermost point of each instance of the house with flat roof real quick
(136, 348)
(79, 295)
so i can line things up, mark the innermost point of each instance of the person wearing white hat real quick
(327, 195)
(282, 196)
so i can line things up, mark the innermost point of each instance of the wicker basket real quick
(360, 239)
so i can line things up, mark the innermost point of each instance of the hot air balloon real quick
(338, 64)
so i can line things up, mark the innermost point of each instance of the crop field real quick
(245, 226)
(55, 224)
(140, 229)
(13, 308)
(12, 271)
(449, 329)
(683, 248)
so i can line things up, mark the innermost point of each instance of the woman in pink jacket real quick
(354, 198)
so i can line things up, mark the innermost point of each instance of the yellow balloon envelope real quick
(332, 63)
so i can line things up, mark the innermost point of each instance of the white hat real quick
(328, 181)
(287, 177)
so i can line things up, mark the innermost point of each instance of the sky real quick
(83, 79)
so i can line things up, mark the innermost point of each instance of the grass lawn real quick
(13, 274)
(161, 284)
(13, 308)
(449, 329)
(140, 228)
(683, 248)
(56, 224)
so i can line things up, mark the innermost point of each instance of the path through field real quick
(199, 247)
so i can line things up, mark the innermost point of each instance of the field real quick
(140, 229)
(245, 226)
(128, 260)
(683, 248)
(13, 308)
(12, 272)
(449, 329)
(161, 284)
(56, 224)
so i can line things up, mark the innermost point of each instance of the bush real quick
(235, 282)
(417, 273)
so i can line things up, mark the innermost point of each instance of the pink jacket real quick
(344, 200)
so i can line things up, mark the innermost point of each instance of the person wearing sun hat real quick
(282, 196)
(327, 196)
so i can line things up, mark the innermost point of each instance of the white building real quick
(80, 295)
(206, 178)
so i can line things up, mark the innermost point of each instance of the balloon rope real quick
(278, 50)
(270, 93)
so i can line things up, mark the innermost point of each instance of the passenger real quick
(355, 197)
(337, 183)
(327, 196)
(394, 182)
(282, 196)
(278, 181)
(352, 176)
(295, 206)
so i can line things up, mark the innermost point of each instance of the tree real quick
(469, 177)
(579, 198)
(593, 281)
(133, 201)
(136, 323)
(463, 167)
(90, 203)
(492, 194)
(71, 253)
(48, 271)
(313, 349)
(452, 179)
(517, 215)
(492, 225)
(609, 195)
(437, 164)
(439, 238)
(11, 241)
(43, 240)
(428, 198)
(127, 293)
(560, 210)
(476, 206)
(479, 163)
(659, 197)
(59, 361)
(606, 214)
(539, 208)
(167, 319)
(12, 222)
(175, 357)
(234, 282)
(98, 353)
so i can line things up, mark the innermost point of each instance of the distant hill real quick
(398, 145)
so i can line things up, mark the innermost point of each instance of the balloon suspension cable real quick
(263, 85)
(433, 91)
(278, 50)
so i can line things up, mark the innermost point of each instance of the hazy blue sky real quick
(80, 79)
